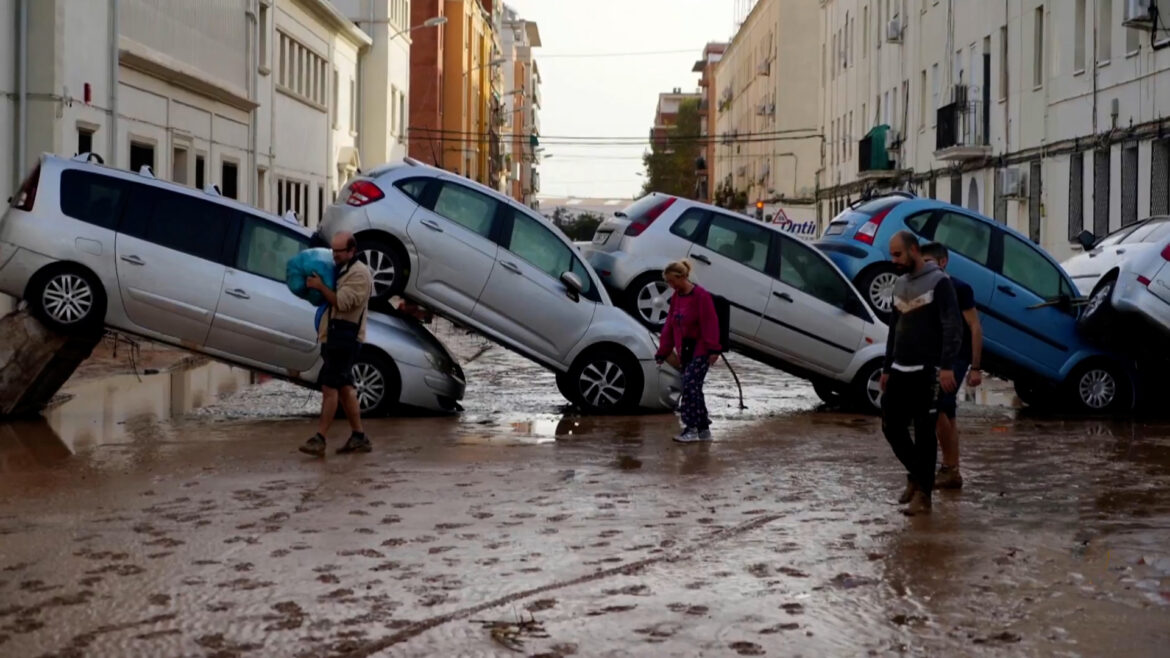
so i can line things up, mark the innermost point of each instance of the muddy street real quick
(519, 528)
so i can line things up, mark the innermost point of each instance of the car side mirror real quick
(1086, 239)
(572, 284)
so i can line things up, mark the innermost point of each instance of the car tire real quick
(866, 392)
(1099, 314)
(68, 299)
(648, 300)
(1033, 394)
(377, 383)
(828, 393)
(389, 265)
(603, 381)
(1098, 387)
(876, 286)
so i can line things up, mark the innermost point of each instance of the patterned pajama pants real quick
(692, 406)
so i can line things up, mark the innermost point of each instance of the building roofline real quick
(533, 31)
(325, 10)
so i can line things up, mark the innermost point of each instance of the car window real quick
(544, 250)
(964, 235)
(177, 221)
(808, 272)
(1151, 231)
(688, 224)
(413, 187)
(738, 240)
(265, 250)
(92, 198)
(874, 206)
(1026, 266)
(917, 223)
(466, 207)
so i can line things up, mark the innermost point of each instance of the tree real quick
(670, 163)
(583, 226)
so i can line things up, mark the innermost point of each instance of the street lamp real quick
(434, 21)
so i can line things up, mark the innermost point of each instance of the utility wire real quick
(642, 53)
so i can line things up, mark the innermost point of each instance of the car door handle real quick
(236, 292)
(783, 295)
(433, 225)
(702, 259)
(133, 260)
(1007, 290)
(510, 266)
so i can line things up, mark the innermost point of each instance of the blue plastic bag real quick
(317, 261)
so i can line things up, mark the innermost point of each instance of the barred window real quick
(303, 73)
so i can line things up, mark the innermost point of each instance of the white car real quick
(1127, 273)
(87, 245)
(790, 305)
(487, 262)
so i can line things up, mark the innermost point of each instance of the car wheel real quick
(830, 395)
(1098, 388)
(877, 287)
(68, 299)
(648, 300)
(605, 381)
(377, 383)
(1099, 314)
(389, 266)
(867, 388)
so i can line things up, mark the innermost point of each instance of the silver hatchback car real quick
(87, 245)
(487, 262)
(790, 305)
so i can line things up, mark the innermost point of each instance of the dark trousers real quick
(911, 398)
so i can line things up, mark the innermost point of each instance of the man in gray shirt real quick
(925, 337)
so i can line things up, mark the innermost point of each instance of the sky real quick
(612, 96)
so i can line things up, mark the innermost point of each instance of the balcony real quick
(962, 132)
(874, 161)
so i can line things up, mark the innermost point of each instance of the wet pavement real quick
(522, 529)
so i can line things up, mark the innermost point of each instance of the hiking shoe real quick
(705, 435)
(356, 443)
(688, 436)
(919, 504)
(948, 478)
(315, 446)
(908, 494)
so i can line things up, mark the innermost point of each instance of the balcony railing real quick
(961, 132)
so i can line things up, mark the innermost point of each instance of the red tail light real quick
(869, 230)
(1166, 252)
(362, 193)
(1144, 281)
(641, 224)
(27, 195)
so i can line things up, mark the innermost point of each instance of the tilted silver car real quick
(485, 261)
(790, 305)
(86, 244)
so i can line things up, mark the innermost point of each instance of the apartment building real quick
(768, 121)
(666, 113)
(1046, 116)
(709, 106)
(521, 106)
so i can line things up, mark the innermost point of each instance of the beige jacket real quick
(354, 288)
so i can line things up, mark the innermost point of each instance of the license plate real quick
(835, 229)
(600, 238)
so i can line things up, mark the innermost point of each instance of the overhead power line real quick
(642, 53)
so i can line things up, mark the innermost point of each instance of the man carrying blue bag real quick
(341, 332)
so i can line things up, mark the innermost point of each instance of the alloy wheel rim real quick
(381, 269)
(1098, 299)
(1098, 388)
(369, 384)
(67, 298)
(654, 302)
(873, 388)
(603, 383)
(881, 291)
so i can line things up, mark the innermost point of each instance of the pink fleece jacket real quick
(691, 316)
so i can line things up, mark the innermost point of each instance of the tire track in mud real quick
(680, 555)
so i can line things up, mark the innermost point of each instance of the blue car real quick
(1026, 301)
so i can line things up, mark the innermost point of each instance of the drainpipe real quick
(22, 124)
(114, 32)
(253, 59)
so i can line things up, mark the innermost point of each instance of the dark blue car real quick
(1025, 299)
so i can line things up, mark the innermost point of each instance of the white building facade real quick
(1047, 116)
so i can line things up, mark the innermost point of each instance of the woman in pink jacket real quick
(692, 332)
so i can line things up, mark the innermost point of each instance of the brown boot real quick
(948, 478)
(919, 504)
(908, 494)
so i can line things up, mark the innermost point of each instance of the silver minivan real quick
(87, 245)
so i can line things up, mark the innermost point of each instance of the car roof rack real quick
(145, 171)
(88, 156)
(212, 189)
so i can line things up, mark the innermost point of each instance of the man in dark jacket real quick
(925, 337)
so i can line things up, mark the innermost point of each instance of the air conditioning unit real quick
(1013, 183)
(894, 30)
(1139, 14)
